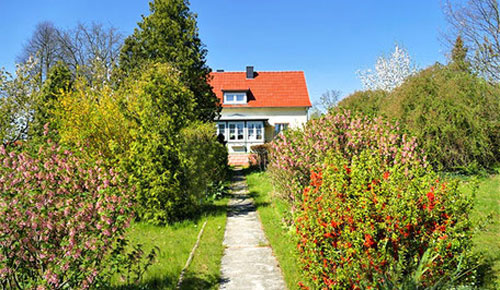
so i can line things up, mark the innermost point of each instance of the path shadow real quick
(207, 282)
(240, 207)
(165, 282)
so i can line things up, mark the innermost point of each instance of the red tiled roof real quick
(266, 89)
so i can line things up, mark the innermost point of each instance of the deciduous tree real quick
(59, 81)
(477, 22)
(44, 44)
(81, 48)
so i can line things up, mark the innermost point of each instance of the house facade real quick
(256, 106)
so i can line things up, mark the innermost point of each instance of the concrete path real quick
(248, 261)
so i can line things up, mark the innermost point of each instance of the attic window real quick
(235, 97)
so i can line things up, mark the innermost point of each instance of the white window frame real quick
(235, 95)
(282, 125)
(224, 133)
(236, 129)
(252, 127)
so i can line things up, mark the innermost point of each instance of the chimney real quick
(220, 70)
(250, 72)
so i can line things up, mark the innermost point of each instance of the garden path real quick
(248, 261)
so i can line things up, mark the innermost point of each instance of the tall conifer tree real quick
(170, 34)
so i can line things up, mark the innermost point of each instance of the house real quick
(256, 106)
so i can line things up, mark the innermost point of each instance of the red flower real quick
(368, 241)
(302, 286)
(430, 196)
(386, 175)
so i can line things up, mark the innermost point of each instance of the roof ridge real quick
(266, 71)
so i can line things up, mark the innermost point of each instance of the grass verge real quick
(272, 212)
(175, 243)
(488, 241)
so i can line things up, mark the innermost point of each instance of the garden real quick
(109, 162)
(394, 188)
(111, 174)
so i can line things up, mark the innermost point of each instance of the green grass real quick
(488, 241)
(272, 212)
(204, 271)
(175, 243)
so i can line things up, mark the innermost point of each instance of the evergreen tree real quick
(59, 80)
(459, 56)
(170, 34)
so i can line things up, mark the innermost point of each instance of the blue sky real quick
(329, 40)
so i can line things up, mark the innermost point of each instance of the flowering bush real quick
(60, 218)
(364, 223)
(296, 152)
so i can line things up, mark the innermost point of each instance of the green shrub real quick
(364, 223)
(204, 159)
(366, 102)
(145, 128)
(162, 107)
(454, 115)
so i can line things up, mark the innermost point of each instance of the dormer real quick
(235, 97)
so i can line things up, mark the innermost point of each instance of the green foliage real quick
(454, 115)
(131, 263)
(162, 107)
(145, 128)
(366, 102)
(365, 223)
(170, 34)
(204, 160)
(58, 82)
(459, 56)
(94, 116)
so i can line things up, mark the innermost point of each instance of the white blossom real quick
(389, 72)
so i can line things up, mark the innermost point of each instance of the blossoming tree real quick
(390, 71)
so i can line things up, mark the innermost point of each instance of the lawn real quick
(273, 211)
(175, 243)
(488, 240)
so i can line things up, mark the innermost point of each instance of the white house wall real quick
(295, 117)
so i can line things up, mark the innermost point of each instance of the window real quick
(279, 127)
(232, 131)
(221, 129)
(235, 98)
(255, 131)
(236, 131)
